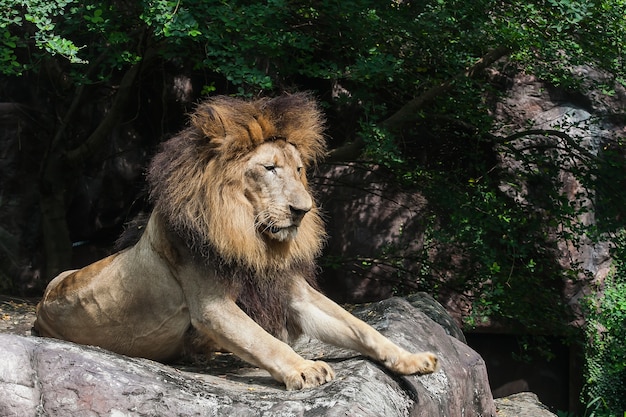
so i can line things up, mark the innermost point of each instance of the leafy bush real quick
(605, 351)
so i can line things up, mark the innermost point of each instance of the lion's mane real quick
(197, 186)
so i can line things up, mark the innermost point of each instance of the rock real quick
(40, 376)
(428, 305)
(368, 215)
(523, 404)
(17, 315)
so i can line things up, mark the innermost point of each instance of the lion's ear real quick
(211, 119)
(230, 125)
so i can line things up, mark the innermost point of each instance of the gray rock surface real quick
(523, 404)
(49, 377)
(428, 305)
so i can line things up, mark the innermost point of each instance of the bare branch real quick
(94, 142)
(547, 132)
(76, 102)
(409, 112)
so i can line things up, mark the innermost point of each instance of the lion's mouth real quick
(281, 233)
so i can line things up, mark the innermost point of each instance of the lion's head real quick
(233, 183)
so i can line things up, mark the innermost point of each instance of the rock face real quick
(523, 404)
(435, 311)
(367, 214)
(41, 376)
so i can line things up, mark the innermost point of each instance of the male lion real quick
(227, 257)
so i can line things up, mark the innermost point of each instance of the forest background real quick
(407, 86)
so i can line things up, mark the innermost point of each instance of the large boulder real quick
(40, 376)
(523, 404)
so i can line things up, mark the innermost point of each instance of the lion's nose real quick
(297, 213)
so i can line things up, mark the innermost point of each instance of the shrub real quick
(605, 351)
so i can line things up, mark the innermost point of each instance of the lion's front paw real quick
(309, 374)
(416, 363)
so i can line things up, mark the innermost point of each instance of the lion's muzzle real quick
(297, 214)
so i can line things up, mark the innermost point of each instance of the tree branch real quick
(547, 132)
(94, 142)
(409, 112)
(59, 135)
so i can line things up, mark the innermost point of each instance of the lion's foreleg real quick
(226, 324)
(323, 319)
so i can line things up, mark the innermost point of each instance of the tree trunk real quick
(56, 237)
(60, 166)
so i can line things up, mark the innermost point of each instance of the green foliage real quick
(397, 47)
(43, 17)
(504, 258)
(605, 352)
(551, 36)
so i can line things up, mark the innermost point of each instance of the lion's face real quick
(232, 185)
(275, 186)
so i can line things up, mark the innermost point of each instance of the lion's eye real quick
(299, 170)
(270, 167)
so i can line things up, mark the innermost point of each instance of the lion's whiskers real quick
(259, 222)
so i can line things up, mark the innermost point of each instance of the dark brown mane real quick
(196, 185)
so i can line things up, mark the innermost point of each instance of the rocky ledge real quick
(40, 376)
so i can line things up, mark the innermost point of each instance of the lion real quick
(227, 259)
